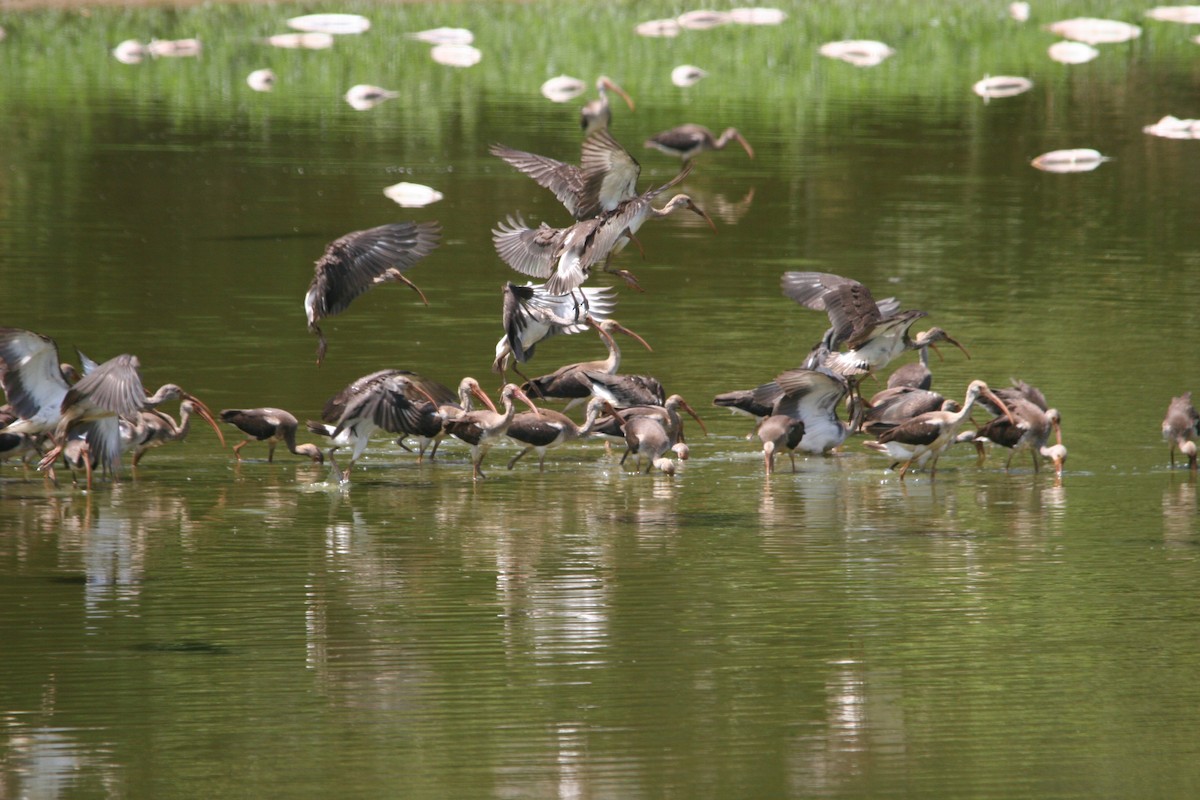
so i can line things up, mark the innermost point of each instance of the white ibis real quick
(1180, 427)
(1034, 422)
(646, 436)
(613, 426)
(153, 428)
(354, 263)
(564, 257)
(48, 405)
(532, 314)
(925, 437)
(482, 428)
(596, 115)
(690, 140)
(917, 374)
(546, 429)
(270, 425)
(427, 421)
(779, 432)
(872, 338)
(569, 382)
(812, 396)
(373, 402)
(607, 174)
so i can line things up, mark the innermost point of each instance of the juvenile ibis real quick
(1034, 421)
(427, 421)
(1180, 427)
(646, 436)
(545, 429)
(354, 263)
(607, 174)
(270, 425)
(373, 402)
(779, 432)
(564, 257)
(623, 391)
(812, 396)
(925, 437)
(570, 382)
(532, 314)
(596, 115)
(153, 428)
(690, 140)
(48, 405)
(871, 338)
(482, 428)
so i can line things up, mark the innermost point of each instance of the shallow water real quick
(205, 627)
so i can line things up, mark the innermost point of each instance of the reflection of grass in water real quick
(942, 48)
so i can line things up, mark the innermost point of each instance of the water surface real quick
(208, 628)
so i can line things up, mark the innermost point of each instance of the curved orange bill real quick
(525, 398)
(691, 205)
(478, 392)
(683, 404)
(1000, 404)
(608, 84)
(745, 145)
(206, 415)
(633, 335)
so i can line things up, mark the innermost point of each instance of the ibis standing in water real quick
(545, 429)
(1180, 428)
(690, 140)
(779, 432)
(154, 428)
(596, 115)
(925, 437)
(354, 263)
(646, 436)
(1034, 422)
(270, 425)
(481, 429)
(373, 402)
(49, 406)
(569, 382)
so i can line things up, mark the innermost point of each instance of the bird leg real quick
(238, 447)
(271, 452)
(322, 345)
(518, 455)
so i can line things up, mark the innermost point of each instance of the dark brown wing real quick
(261, 423)
(357, 261)
(918, 431)
(565, 180)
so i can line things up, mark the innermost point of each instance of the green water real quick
(211, 629)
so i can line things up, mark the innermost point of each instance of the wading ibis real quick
(1180, 428)
(924, 438)
(270, 425)
(482, 428)
(690, 140)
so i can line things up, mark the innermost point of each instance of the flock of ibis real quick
(87, 418)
